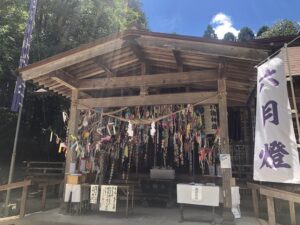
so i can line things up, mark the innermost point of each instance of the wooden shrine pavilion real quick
(138, 68)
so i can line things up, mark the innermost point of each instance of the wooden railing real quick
(22, 184)
(270, 194)
(44, 184)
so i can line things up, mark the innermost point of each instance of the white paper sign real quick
(225, 161)
(94, 194)
(108, 198)
(196, 193)
(276, 157)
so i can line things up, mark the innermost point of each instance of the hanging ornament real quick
(130, 130)
(65, 116)
(51, 136)
(152, 131)
(86, 134)
(62, 147)
(99, 130)
(85, 122)
(57, 140)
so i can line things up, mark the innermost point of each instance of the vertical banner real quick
(20, 84)
(276, 156)
(108, 198)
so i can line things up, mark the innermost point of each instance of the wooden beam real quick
(136, 49)
(161, 99)
(15, 185)
(205, 48)
(91, 73)
(156, 80)
(105, 67)
(65, 79)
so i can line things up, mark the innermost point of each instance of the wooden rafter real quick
(72, 59)
(65, 79)
(104, 65)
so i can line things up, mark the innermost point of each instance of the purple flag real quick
(20, 84)
(18, 94)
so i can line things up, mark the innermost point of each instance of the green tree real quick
(229, 37)
(282, 28)
(246, 34)
(210, 32)
(262, 30)
(13, 17)
(59, 26)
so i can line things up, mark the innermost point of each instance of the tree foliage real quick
(229, 37)
(246, 34)
(282, 28)
(262, 30)
(210, 32)
(64, 24)
(59, 26)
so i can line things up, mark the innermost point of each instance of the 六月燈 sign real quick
(275, 155)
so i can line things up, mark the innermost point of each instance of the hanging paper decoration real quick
(51, 136)
(130, 130)
(152, 131)
(62, 147)
(65, 117)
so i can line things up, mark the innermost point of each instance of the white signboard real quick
(276, 156)
(108, 198)
(196, 193)
(225, 161)
(94, 194)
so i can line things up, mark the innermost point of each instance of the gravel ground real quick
(140, 215)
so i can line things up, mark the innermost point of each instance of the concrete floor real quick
(139, 216)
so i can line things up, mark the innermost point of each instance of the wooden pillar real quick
(271, 210)
(72, 128)
(23, 201)
(224, 139)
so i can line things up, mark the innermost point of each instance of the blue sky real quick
(190, 17)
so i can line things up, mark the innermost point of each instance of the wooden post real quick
(271, 210)
(23, 201)
(44, 196)
(72, 131)
(255, 202)
(226, 173)
(292, 213)
(72, 127)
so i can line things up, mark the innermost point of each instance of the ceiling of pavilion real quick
(136, 52)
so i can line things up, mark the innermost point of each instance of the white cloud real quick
(223, 24)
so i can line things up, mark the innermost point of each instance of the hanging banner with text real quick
(276, 155)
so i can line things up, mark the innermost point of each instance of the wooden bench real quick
(38, 168)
